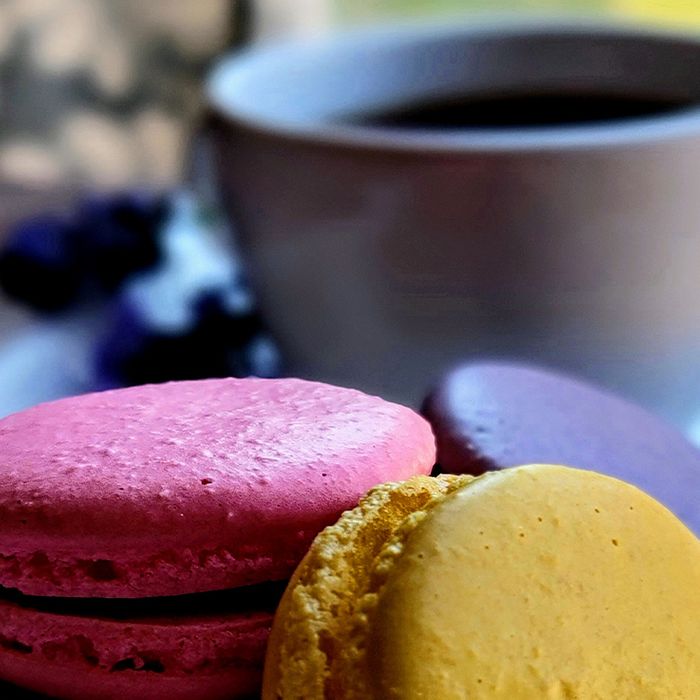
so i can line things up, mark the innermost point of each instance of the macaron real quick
(533, 582)
(146, 534)
(492, 415)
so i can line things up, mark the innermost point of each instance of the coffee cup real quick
(411, 197)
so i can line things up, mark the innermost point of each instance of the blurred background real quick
(109, 92)
(117, 266)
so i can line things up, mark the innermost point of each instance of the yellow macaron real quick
(534, 582)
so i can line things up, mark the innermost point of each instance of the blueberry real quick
(207, 342)
(40, 264)
(226, 319)
(125, 338)
(191, 317)
(135, 352)
(221, 323)
(120, 235)
(259, 357)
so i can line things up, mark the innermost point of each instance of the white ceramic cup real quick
(382, 256)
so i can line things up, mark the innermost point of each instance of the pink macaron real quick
(146, 533)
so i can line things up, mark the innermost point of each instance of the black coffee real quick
(514, 110)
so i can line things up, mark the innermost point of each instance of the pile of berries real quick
(172, 300)
(50, 262)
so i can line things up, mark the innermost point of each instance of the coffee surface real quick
(522, 110)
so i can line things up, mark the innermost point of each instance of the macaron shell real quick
(72, 682)
(530, 583)
(310, 635)
(490, 416)
(69, 656)
(538, 582)
(189, 486)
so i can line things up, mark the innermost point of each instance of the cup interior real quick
(325, 86)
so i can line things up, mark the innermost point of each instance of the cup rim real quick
(625, 132)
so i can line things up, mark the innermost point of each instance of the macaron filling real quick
(261, 596)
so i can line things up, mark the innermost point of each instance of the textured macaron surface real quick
(135, 647)
(495, 415)
(189, 486)
(309, 638)
(533, 582)
(540, 582)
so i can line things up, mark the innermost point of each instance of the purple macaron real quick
(494, 415)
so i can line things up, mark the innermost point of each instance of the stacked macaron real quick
(146, 534)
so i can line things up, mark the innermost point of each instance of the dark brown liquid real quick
(528, 110)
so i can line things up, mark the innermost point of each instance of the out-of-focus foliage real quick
(682, 13)
(679, 12)
(356, 9)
